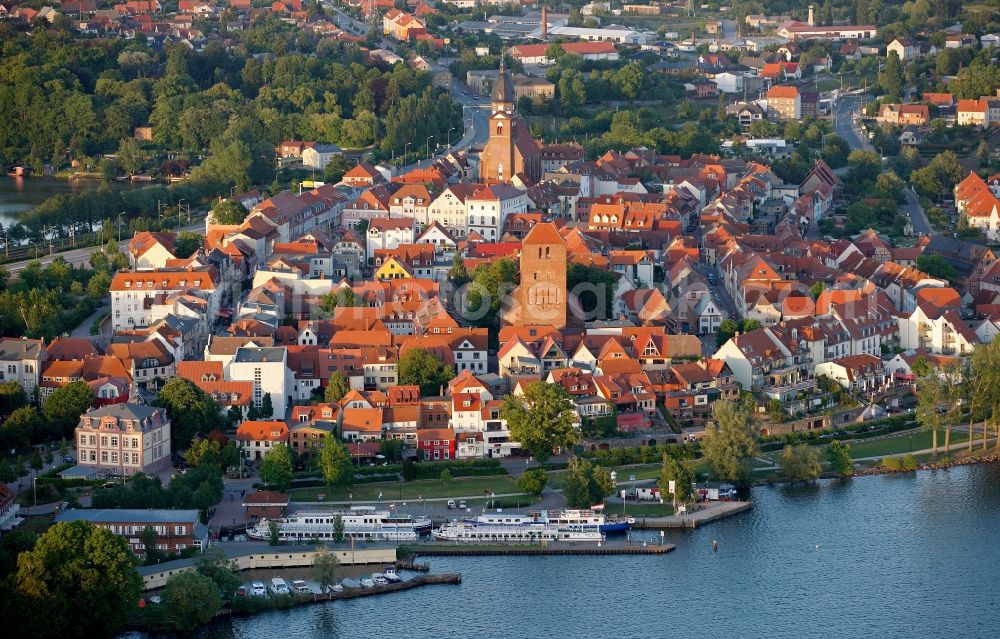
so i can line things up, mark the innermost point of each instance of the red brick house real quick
(436, 443)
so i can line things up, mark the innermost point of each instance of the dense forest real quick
(71, 99)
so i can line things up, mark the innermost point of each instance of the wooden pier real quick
(718, 510)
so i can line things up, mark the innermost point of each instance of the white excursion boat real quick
(360, 522)
(572, 519)
(528, 533)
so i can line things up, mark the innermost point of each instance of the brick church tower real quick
(510, 148)
(540, 299)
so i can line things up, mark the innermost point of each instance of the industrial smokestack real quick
(545, 23)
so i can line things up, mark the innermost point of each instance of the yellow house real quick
(393, 269)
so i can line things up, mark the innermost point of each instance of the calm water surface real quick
(884, 557)
(23, 194)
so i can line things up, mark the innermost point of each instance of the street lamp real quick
(428, 145)
(405, 147)
(449, 136)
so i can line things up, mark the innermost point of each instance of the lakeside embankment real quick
(991, 458)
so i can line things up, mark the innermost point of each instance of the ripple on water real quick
(899, 556)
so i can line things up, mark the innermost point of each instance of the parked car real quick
(451, 504)
(69, 459)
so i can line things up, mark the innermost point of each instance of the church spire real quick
(503, 90)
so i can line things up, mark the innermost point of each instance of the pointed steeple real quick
(503, 89)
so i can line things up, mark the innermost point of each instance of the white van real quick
(257, 589)
(279, 587)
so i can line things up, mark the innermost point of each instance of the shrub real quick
(909, 462)
(532, 481)
(409, 471)
(892, 463)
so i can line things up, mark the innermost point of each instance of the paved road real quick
(845, 124)
(921, 224)
(79, 256)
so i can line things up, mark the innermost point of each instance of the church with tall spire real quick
(510, 149)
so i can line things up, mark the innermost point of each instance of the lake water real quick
(22, 194)
(896, 556)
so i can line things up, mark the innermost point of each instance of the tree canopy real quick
(276, 467)
(190, 409)
(421, 368)
(336, 388)
(730, 442)
(586, 484)
(65, 405)
(82, 577)
(334, 461)
(542, 420)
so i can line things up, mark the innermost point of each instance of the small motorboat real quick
(349, 584)
(333, 588)
(391, 575)
(380, 579)
(300, 586)
(367, 582)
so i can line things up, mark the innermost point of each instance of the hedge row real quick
(864, 430)
(640, 454)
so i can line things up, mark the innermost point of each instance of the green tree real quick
(727, 330)
(682, 476)
(840, 458)
(35, 461)
(65, 405)
(800, 463)
(228, 212)
(446, 477)
(324, 569)
(542, 420)
(192, 599)
(186, 244)
(334, 461)
(273, 533)
(891, 79)
(17, 431)
(935, 266)
(576, 484)
(336, 388)
(532, 481)
(817, 289)
(276, 467)
(392, 449)
(889, 185)
(586, 484)
(151, 545)
(266, 406)
(338, 530)
(82, 577)
(12, 397)
(937, 404)
(730, 442)
(484, 295)
(129, 155)
(420, 368)
(409, 471)
(190, 409)
(214, 564)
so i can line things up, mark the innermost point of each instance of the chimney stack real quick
(545, 23)
(812, 22)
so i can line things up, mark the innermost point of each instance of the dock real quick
(514, 550)
(718, 510)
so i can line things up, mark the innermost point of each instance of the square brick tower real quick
(540, 298)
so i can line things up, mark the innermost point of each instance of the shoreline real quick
(991, 458)
(300, 600)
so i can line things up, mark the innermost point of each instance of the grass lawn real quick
(624, 473)
(640, 510)
(426, 488)
(902, 444)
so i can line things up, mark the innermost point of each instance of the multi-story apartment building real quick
(267, 369)
(124, 439)
(134, 295)
(21, 361)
